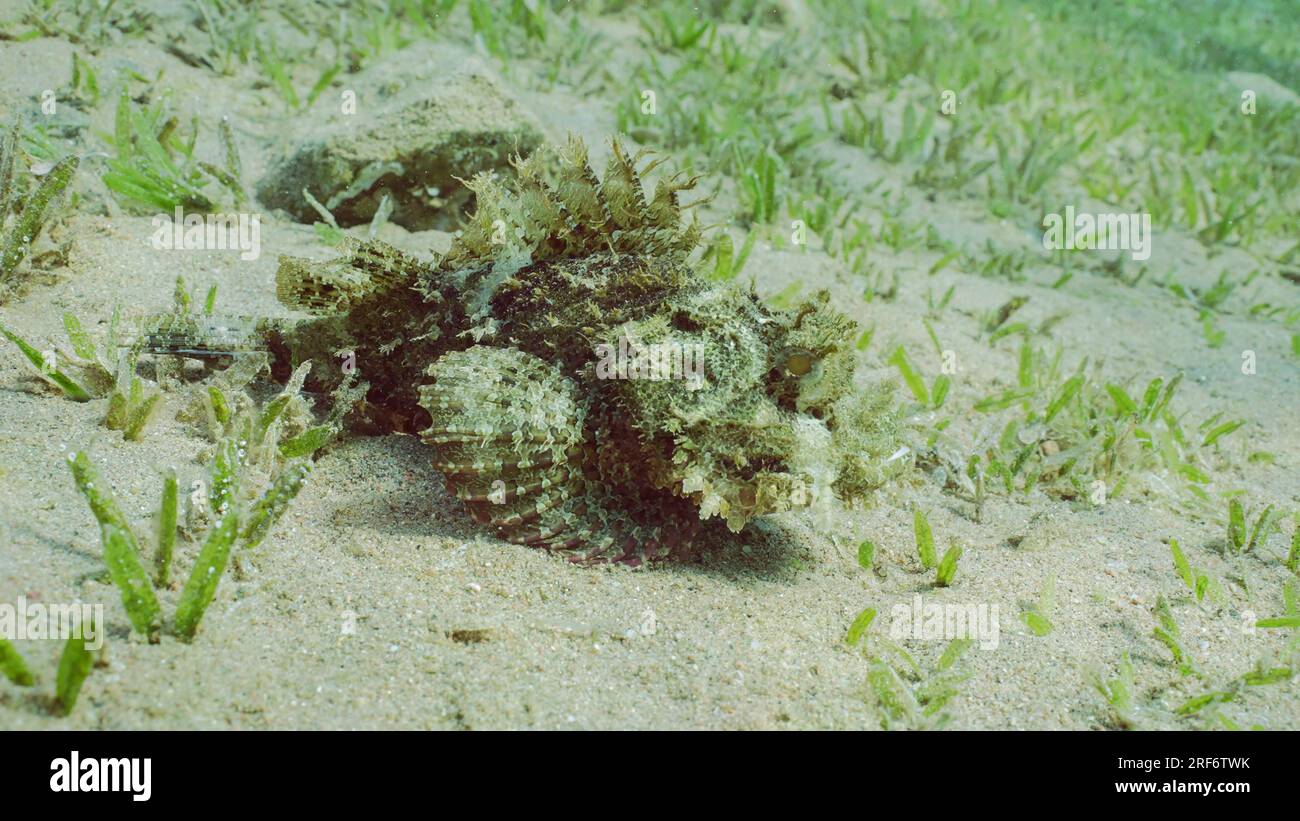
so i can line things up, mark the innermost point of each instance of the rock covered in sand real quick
(408, 127)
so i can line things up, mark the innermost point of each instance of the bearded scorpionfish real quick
(498, 354)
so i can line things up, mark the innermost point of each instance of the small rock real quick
(422, 120)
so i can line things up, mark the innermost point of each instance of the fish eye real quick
(799, 363)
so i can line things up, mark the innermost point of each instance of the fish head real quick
(746, 410)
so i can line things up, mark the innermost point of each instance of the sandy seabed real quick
(376, 603)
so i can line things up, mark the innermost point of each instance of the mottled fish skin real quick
(494, 354)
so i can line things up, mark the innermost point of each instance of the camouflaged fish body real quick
(493, 355)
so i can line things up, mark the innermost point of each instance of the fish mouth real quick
(739, 501)
(800, 478)
(816, 464)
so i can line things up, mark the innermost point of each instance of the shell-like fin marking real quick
(506, 431)
(338, 284)
(507, 434)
